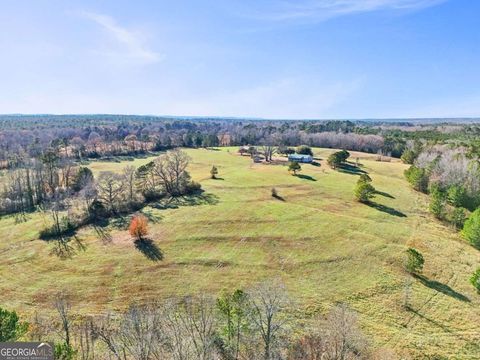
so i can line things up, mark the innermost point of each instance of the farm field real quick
(317, 239)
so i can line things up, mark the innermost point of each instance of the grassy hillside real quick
(324, 245)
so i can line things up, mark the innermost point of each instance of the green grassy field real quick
(324, 245)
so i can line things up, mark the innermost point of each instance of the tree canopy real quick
(471, 229)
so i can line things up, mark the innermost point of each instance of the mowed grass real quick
(324, 245)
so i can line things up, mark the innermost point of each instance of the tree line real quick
(450, 175)
(74, 196)
(255, 324)
(94, 136)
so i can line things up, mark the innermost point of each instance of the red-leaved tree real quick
(138, 227)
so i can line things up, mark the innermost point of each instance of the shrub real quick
(97, 211)
(458, 217)
(64, 351)
(365, 178)
(471, 229)
(408, 156)
(437, 204)
(138, 227)
(294, 166)
(82, 178)
(457, 196)
(364, 192)
(10, 326)
(304, 150)
(418, 178)
(192, 187)
(333, 160)
(242, 151)
(415, 261)
(337, 158)
(213, 172)
(284, 150)
(343, 155)
(475, 279)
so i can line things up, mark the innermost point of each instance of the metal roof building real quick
(300, 158)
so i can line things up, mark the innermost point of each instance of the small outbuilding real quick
(300, 158)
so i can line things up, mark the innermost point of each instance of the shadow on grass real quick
(148, 248)
(433, 322)
(65, 241)
(218, 178)
(381, 193)
(103, 233)
(119, 222)
(306, 177)
(448, 330)
(122, 221)
(350, 169)
(385, 209)
(278, 197)
(315, 163)
(440, 287)
(151, 216)
(200, 198)
(21, 218)
(66, 247)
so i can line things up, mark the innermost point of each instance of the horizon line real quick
(452, 118)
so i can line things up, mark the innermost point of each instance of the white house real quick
(300, 158)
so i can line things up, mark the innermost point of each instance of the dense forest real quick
(79, 137)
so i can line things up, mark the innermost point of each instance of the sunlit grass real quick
(323, 244)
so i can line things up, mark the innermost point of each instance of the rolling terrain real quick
(325, 246)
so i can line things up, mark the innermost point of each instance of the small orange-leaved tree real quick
(138, 227)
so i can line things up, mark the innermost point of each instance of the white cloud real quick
(318, 10)
(131, 45)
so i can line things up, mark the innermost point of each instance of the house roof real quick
(299, 156)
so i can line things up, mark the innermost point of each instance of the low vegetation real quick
(11, 328)
(415, 261)
(293, 167)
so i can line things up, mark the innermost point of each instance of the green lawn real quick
(324, 245)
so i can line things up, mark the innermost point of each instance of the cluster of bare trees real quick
(257, 324)
(450, 167)
(74, 197)
(36, 181)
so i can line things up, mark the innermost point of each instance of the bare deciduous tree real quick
(129, 175)
(62, 305)
(268, 302)
(140, 333)
(170, 169)
(344, 340)
(268, 151)
(110, 188)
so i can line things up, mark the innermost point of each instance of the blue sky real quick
(253, 58)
